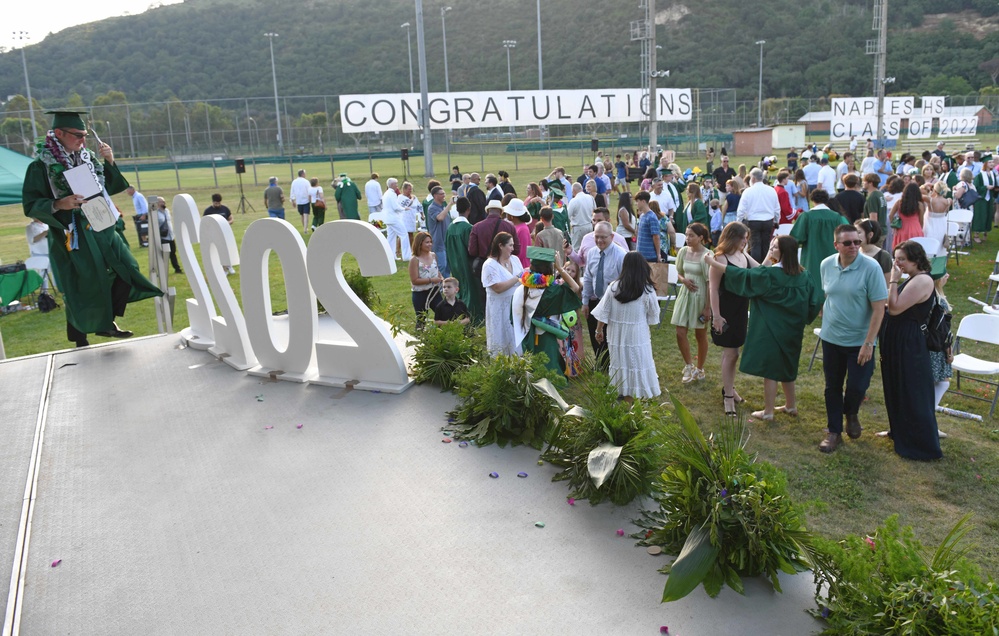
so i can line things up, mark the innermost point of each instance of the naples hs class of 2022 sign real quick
(248, 338)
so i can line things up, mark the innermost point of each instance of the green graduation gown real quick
(85, 275)
(347, 195)
(815, 232)
(699, 214)
(556, 300)
(560, 218)
(780, 307)
(469, 286)
(982, 209)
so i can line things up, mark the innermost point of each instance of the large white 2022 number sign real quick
(357, 350)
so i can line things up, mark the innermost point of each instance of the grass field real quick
(850, 491)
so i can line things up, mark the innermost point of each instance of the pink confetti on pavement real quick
(300, 426)
(620, 532)
(571, 501)
(56, 562)
(267, 428)
(447, 440)
(664, 630)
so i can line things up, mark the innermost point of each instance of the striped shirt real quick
(648, 226)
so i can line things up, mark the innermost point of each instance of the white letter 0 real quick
(231, 342)
(298, 333)
(372, 359)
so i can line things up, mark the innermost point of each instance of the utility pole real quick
(879, 48)
(277, 106)
(23, 37)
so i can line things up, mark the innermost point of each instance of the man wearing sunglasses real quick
(851, 317)
(95, 270)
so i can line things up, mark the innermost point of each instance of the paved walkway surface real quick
(183, 497)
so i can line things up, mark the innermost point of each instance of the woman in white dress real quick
(623, 316)
(935, 221)
(500, 277)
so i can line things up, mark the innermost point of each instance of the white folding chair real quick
(930, 245)
(979, 328)
(815, 352)
(783, 229)
(953, 233)
(963, 219)
(993, 282)
(681, 240)
(665, 296)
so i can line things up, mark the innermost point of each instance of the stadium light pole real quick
(23, 37)
(541, 83)
(509, 44)
(421, 52)
(447, 83)
(759, 106)
(277, 106)
(409, 48)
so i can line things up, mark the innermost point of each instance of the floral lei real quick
(533, 280)
(57, 160)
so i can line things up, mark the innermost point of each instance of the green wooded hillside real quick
(203, 49)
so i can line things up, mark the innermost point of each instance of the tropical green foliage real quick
(362, 286)
(726, 514)
(442, 351)
(604, 419)
(498, 402)
(888, 583)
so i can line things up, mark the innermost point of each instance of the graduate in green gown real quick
(815, 231)
(560, 211)
(985, 184)
(96, 271)
(347, 194)
(783, 299)
(542, 297)
(460, 263)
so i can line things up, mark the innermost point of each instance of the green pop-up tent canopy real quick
(13, 165)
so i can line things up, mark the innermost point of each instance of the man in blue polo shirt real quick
(851, 317)
(648, 229)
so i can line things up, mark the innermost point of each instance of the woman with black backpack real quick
(905, 356)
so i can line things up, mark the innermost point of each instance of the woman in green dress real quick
(695, 211)
(986, 185)
(783, 299)
(692, 310)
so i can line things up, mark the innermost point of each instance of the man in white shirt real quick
(373, 193)
(759, 208)
(580, 211)
(844, 168)
(668, 204)
(600, 215)
(811, 171)
(394, 221)
(38, 245)
(300, 197)
(827, 177)
(603, 266)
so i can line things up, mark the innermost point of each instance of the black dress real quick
(908, 383)
(735, 310)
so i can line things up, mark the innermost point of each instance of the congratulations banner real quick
(498, 109)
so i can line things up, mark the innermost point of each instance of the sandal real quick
(728, 412)
(735, 396)
(786, 411)
(762, 415)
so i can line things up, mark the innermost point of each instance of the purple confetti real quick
(825, 612)
(450, 419)
(300, 426)
(56, 562)
(494, 475)
(724, 492)
(462, 444)
(521, 474)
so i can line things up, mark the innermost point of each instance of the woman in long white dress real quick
(500, 277)
(623, 316)
(935, 223)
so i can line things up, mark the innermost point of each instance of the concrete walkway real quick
(182, 497)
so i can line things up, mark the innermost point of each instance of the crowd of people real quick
(758, 252)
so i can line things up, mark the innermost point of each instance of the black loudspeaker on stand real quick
(243, 203)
